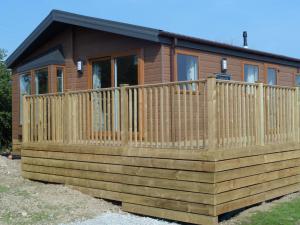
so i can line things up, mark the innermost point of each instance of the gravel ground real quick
(25, 202)
(119, 219)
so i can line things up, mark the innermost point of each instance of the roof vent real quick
(245, 39)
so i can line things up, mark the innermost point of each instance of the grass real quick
(3, 189)
(285, 213)
(10, 218)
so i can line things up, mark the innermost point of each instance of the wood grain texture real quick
(171, 185)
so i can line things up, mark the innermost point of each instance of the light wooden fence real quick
(193, 115)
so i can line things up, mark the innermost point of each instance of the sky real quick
(272, 25)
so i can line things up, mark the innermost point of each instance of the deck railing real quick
(193, 115)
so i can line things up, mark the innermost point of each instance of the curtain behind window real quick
(25, 89)
(41, 81)
(187, 67)
(96, 76)
(250, 73)
(272, 76)
(297, 80)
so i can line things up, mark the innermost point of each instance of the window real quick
(41, 81)
(25, 89)
(101, 73)
(250, 73)
(126, 70)
(297, 80)
(187, 67)
(59, 79)
(272, 76)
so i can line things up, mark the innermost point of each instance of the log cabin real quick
(172, 126)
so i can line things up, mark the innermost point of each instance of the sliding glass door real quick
(106, 73)
(101, 73)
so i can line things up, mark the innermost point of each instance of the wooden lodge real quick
(171, 126)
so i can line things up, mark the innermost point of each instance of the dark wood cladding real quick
(82, 43)
(210, 64)
(79, 43)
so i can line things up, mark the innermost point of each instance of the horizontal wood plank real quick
(123, 179)
(203, 177)
(170, 214)
(122, 160)
(149, 201)
(130, 189)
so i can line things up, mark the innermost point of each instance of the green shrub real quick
(5, 104)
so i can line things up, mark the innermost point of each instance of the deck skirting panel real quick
(184, 188)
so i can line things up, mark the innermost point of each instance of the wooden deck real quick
(202, 149)
(185, 185)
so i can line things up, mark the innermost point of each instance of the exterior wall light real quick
(224, 65)
(79, 65)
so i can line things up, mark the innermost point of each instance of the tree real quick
(5, 103)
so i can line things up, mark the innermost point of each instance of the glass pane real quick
(250, 73)
(272, 76)
(187, 67)
(60, 79)
(101, 71)
(126, 70)
(41, 81)
(297, 80)
(25, 89)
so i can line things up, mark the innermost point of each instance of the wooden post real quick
(211, 113)
(66, 118)
(25, 127)
(296, 115)
(260, 123)
(124, 114)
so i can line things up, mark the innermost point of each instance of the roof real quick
(52, 57)
(58, 19)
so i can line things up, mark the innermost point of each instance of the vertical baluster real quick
(100, 117)
(145, 116)
(173, 111)
(244, 114)
(135, 115)
(109, 130)
(240, 121)
(192, 120)
(179, 114)
(227, 118)
(113, 117)
(140, 115)
(130, 115)
(223, 114)
(161, 120)
(197, 93)
(120, 119)
(168, 115)
(105, 109)
(156, 117)
(151, 121)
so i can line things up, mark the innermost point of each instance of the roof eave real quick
(225, 49)
(84, 21)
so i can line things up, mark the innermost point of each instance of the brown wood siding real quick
(210, 64)
(166, 61)
(80, 43)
